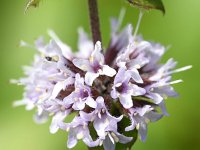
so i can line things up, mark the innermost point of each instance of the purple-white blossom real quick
(100, 87)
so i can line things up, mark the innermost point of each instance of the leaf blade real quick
(32, 3)
(148, 4)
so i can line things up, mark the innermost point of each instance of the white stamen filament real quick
(178, 70)
(170, 83)
(115, 137)
(175, 82)
(121, 17)
(138, 24)
(111, 138)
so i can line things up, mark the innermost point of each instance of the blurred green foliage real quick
(180, 28)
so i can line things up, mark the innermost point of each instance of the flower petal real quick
(132, 126)
(79, 105)
(108, 71)
(78, 81)
(72, 141)
(119, 78)
(153, 116)
(142, 130)
(85, 45)
(126, 100)
(97, 55)
(82, 64)
(41, 118)
(155, 97)
(61, 86)
(65, 49)
(90, 143)
(108, 145)
(87, 116)
(163, 108)
(135, 75)
(91, 102)
(136, 90)
(100, 124)
(123, 139)
(114, 93)
(90, 77)
(55, 122)
(69, 99)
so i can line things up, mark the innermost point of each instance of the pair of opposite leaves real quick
(143, 4)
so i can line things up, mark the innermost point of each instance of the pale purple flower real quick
(124, 89)
(80, 96)
(105, 125)
(59, 110)
(94, 66)
(140, 117)
(78, 130)
(84, 43)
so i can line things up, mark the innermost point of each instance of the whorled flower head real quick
(100, 87)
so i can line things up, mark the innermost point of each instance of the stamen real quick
(51, 114)
(111, 138)
(62, 108)
(37, 89)
(101, 143)
(151, 89)
(178, 70)
(79, 136)
(55, 58)
(68, 128)
(107, 121)
(91, 58)
(121, 18)
(137, 66)
(137, 126)
(84, 126)
(138, 24)
(115, 137)
(170, 83)
(175, 82)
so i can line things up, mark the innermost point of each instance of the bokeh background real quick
(179, 28)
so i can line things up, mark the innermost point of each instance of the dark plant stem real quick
(94, 20)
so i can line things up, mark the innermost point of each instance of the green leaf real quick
(148, 4)
(32, 3)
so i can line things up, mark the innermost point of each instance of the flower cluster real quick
(126, 81)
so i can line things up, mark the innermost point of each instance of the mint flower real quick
(94, 65)
(102, 88)
(81, 95)
(124, 89)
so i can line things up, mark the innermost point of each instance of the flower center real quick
(122, 88)
(96, 66)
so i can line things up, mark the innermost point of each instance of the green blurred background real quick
(180, 28)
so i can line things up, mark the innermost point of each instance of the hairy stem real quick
(94, 20)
